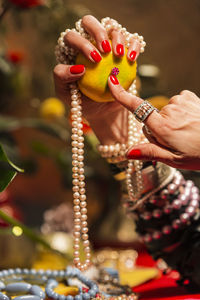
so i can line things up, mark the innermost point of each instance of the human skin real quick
(112, 116)
(175, 130)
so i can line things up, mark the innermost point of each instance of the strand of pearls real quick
(80, 204)
(66, 55)
(134, 165)
(111, 24)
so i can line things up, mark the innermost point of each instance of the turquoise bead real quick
(86, 296)
(78, 297)
(4, 297)
(2, 286)
(17, 288)
(37, 291)
(27, 297)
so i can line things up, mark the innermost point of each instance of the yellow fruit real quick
(94, 83)
(52, 108)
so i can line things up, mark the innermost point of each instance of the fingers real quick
(152, 152)
(98, 32)
(75, 40)
(118, 43)
(154, 120)
(63, 75)
(133, 50)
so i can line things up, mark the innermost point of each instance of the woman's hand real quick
(175, 130)
(109, 115)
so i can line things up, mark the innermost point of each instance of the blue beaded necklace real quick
(25, 283)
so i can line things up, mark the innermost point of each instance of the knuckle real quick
(59, 71)
(174, 99)
(68, 36)
(151, 152)
(185, 92)
(120, 95)
(87, 19)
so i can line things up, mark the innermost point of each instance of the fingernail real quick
(120, 49)
(106, 46)
(96, 56)
(114, 79)
(77, 69)
(134, 153)
(132, 55)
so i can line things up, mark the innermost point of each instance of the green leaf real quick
(8, 170)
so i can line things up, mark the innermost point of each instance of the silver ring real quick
(143, 111)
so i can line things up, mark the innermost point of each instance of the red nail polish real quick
(134, 153)
(132, 55)
(114, 79)
(120, 49)
(96, 56)
(106, 46)
(77, 69)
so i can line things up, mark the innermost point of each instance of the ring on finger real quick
(143, 111)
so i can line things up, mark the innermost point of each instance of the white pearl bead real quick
(76, 195)
(81, 184)
(87, 249)
(77, 215)
(85, 237)
(76, 208)
(86, 243)
(74, 150)
(75, 175)
(75, 182)
(84, 211)
(77, 227)
(84, 230)
(83, 217)
(76, 247)
(81, 177)
(77, 222)
(81, 170)
(76, 260)
(82, 191)
(76, 201)
(75, 188)
(83, 204)
(77, 234)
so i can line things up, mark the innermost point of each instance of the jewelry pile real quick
(27, 282)
(66, 55)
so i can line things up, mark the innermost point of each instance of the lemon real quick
(94, 83)
(52, 108)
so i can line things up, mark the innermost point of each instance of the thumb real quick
(65, 74)
(150, 151)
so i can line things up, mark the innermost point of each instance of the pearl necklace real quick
(66, 55)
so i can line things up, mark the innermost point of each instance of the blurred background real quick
(35, 125)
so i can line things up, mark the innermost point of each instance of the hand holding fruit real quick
(100, 58)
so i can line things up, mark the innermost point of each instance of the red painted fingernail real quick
(120, 49)
(134, 153)
(132, 55)
(114, 79)
(96, 56)
(106, 46)
(77, 69)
